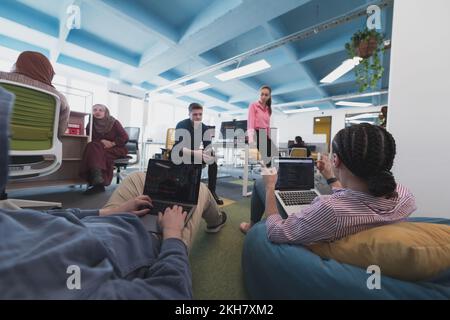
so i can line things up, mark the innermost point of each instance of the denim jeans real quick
(258, 202)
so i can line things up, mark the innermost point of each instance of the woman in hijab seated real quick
(108, 144)
(34, 69)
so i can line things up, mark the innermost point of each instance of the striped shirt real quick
(335, 216)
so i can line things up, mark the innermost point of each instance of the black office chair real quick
(133, 149)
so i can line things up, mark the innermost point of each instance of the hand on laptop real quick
(172, 222)
(139, 206)
(201, 156)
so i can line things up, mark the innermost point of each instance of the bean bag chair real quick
(284, 271)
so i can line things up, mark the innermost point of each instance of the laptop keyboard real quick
(296, 198)
(161, 207)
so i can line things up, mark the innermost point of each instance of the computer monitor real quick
(232, 125)
(291, 143)
(311, 147)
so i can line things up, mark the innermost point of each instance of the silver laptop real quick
(295, 185)
(168, 184)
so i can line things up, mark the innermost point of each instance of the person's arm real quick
(251, 122)
(64, 112)
(121, 135)
(79, 213)
(313, 224)
(270, 177)
(325, 167)
(168, 278)
(139, 206)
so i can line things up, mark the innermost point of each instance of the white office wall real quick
(301, 124)
(419, 107)
(166, 113)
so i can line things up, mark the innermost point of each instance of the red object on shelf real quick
(74, 129)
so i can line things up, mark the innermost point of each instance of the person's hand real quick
(172, 222)
(139, 206)
(208, 158)
(270, 177)
(325, 167)
(107, 144)
(198, 155)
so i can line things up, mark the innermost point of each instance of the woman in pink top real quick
(365, 193)
(258, 123)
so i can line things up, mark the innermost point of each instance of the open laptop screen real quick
(295, 174)
(169, 182)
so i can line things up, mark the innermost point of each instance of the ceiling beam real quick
(63, 30)
(248, 13)
(275, 32)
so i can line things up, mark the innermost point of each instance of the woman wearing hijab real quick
(108, 144)
(34, 69)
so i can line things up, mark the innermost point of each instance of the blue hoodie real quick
(76, 254)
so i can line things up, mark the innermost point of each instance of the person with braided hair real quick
(365, 193)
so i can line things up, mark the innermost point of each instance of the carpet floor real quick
(216, 258)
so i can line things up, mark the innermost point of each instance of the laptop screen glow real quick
(169, 182)
(295, 174)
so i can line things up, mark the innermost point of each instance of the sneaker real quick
(216, 197)
(217, 228)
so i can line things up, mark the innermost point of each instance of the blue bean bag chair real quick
(283, 271)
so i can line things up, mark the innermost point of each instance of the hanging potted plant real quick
(367, 44)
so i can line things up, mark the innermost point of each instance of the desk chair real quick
(35, 149)
(133, 149)
(299, 153)
(170, 142)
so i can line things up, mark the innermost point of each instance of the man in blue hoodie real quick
(88, 254)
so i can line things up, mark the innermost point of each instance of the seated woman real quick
(365, 193)
(34, 69)
(299, 143)
(108, 144)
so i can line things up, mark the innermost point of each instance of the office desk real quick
(153, 147)
(72, 152)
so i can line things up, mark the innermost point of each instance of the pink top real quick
(258, 118)
(345, 212)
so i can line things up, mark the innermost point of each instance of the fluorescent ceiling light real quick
(317, 120)
(302, 110)
(345, 67)
(354, 104)
(196, 86)
(243, 71)
(364, 116)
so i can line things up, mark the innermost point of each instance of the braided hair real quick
(368, 151)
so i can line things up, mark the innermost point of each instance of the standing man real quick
(189, 135)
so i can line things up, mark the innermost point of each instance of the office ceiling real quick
(149, 43)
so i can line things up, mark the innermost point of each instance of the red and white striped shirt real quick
(335, 216)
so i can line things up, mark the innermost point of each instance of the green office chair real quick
(35, 149)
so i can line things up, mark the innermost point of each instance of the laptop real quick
(295, 185)
(169, 184)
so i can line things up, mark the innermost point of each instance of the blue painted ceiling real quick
(151, 42)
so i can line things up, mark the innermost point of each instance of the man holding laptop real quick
(190, 134)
